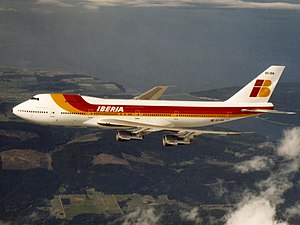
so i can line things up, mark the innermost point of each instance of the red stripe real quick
(79, 103)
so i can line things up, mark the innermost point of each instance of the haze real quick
(193, 45)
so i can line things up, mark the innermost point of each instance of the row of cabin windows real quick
(31, 111)
(77, 113)
(147, 114)
(128, 114)
(202, 115)
(155, 114)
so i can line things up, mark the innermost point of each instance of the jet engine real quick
(173, 140)
(125, 135)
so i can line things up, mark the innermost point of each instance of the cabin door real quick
(52, 113)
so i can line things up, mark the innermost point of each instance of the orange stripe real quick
(60, 100)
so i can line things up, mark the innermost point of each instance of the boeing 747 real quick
(144, 114)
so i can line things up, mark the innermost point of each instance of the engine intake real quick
(173, 140)
(124, 135)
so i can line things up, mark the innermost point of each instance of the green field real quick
(93, 202)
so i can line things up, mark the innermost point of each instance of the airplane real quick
(135, 118)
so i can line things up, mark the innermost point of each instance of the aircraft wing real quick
(152, 94)
(145, 127)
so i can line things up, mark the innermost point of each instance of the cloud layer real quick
(191, 216)
(142, 217)
(254, 211)
(290, 144)
(254, 208)
(94, 4)
(260, 209)
(293, 211)
(257, 163)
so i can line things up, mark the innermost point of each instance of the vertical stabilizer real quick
(260, 89)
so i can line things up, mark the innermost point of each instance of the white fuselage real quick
(76, 110)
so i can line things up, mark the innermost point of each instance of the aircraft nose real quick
(15, 110)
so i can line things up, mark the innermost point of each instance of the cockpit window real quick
(34, 98)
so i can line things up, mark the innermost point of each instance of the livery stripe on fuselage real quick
(60, 100)
(75, 103)
(79, 103)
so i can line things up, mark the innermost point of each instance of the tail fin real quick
(260, 89)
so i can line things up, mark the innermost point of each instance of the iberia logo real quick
(261, 88)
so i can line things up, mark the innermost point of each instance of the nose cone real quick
(15, 111)
(18, 110)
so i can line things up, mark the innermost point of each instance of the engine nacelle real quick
(173, 140)
(125, 135)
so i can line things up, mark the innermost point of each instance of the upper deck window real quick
(34, 98)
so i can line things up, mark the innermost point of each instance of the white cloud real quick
(7, 10)
(147, 216)
(177, 3)
(192, 216)
(254, 211)
(260, 209)
(266, 145)
(279, 181)
(95, 4)
(259, 5)
(274, 186)
(55, 2)
(290, 144)
(293, 211)
(220, 190)
(257, 163)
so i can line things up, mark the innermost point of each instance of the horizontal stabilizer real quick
(267, 111)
